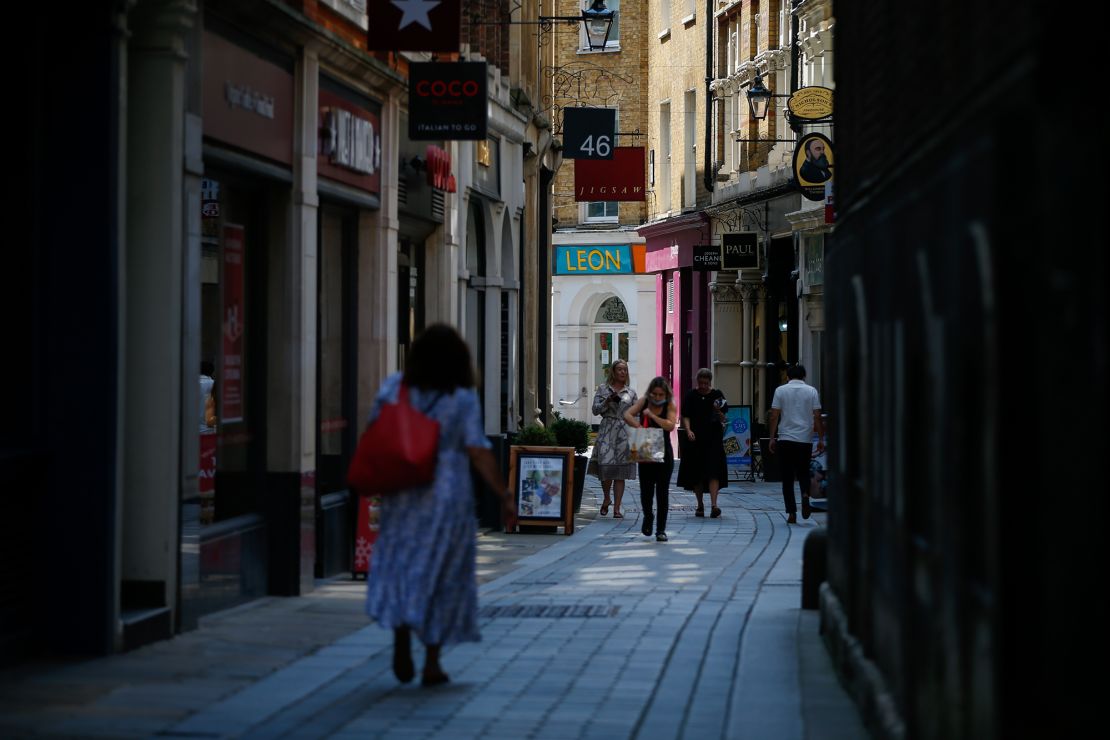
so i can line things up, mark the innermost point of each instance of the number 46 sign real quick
(588, 133)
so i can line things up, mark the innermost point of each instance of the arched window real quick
(610, 342)
(612, 311)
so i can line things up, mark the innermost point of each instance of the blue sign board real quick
(584, 259)
(738, 436)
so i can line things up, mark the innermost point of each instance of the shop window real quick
(335, 351)
(602, 211)
(410, 294)
(232, 376)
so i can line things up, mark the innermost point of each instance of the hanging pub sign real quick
(813, 165)
(414, 25)
(589, 133)
(447, 101)
(621, 178)
(707, 257)
(811, 103)
(740, 250)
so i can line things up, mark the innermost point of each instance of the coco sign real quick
(447, 101)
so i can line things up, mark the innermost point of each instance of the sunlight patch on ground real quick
(633, 554)
(625, 575)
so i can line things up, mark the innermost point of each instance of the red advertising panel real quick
(366, 531)
(621, 178)
(234, 325)
(206, 480)
(206, 477)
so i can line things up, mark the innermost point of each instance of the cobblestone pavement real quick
(603, 634)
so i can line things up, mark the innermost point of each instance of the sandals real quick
(618, 515)
(714, 513)
(605, 509)
(700, 511)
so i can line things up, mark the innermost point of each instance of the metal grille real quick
(548, 611)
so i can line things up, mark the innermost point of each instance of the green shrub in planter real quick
(571, 433)
(534, 435)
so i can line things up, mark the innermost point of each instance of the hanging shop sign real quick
(707, 257)
(437, 165)
(350, 143)
(589, 133)
(592, 259)
(414, 25)
(447, 101)
(740, 250)
(621, 178)
(813, 165)
(811, 103)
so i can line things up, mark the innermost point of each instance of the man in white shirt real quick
(795, 415)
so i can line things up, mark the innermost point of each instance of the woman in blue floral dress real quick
(422, 571)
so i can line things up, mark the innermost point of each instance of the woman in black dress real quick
(703, 456)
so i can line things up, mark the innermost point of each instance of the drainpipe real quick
(710, 176)
(795, 73)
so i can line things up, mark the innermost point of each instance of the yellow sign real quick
(811, 103)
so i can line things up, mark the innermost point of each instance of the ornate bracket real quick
(582, 83)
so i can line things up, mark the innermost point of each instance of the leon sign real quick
(615, 259)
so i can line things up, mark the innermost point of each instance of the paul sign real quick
(739, 250)
(447, 101)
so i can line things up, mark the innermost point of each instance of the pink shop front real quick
(682, 299)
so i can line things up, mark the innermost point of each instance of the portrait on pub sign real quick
(813, 160)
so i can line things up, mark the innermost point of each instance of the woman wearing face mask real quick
(658, 410)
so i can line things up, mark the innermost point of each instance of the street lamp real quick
(759, 102)
(759, 98)
(598, 21)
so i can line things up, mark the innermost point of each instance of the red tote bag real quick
(397, 451)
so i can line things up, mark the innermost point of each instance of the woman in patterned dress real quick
(422, 571)
(611, 448)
